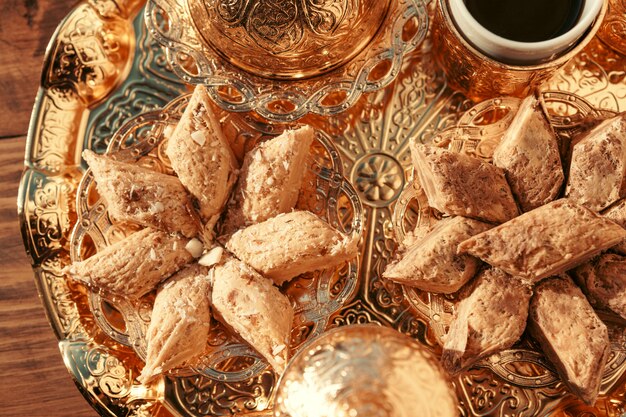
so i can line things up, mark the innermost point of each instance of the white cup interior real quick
(520, 53)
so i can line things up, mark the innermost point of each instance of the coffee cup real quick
(483, 64)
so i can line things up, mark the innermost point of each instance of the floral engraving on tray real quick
(98, 370)
(110, 373)
(597, 74)
(57, 130)
(90, 54)
(149, 86)
(202, 396)
(373, 140)
(46, 212)
(60, 299)
(416, 105)
(279, 26)
(378, 178)
(482, 394)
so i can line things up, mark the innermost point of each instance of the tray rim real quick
(30, 166)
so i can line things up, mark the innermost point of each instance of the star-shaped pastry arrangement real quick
(218, 239)
(527, 242)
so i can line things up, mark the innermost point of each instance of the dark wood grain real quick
(33, 379)
(25, 29)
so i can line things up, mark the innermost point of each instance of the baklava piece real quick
(571, 335)
(254, 308)
(202, 157)
(142, 196)
(270, 179)
(529, 155)
(604, 281)
(597, 174)
(461, 185)
(180, 322)
(290, 244)
(546, 241)
(617, 213)
(135, 265)
(490, 316)
(432, 264)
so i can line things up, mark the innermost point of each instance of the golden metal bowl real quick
(365, 371)
(288, 39)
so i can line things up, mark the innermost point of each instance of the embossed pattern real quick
(364, 371)
(370, 141)
(614, 26)
(196, 62)
(288, 39)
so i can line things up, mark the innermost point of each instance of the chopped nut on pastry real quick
(490, 316)
(290, 244)
(597, 174)
(202, 157)
(571, 335)
(254, 308)
(270, 179)
(179, 325)
(135, 265)
(432, 263)
(604, 281)
(546, 241)
(461, 185)
(529, 154)
(142, 196)
(617, 213)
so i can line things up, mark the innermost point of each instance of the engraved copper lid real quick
(288, 39)
(364, 371)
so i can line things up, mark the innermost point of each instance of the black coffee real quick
(526, 20)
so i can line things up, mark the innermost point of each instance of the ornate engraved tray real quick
(103, 69)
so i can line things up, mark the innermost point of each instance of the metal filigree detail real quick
(378, 178)
(59, 299)
(481, 394)
(90, 54)
(110, 373)
(196, 62)
(99, 371)
(598, 75)
(288, 39)
(281, 26)
(200, 396)
(416, 105)
(47, 211)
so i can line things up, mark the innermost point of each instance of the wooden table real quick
(33, 380)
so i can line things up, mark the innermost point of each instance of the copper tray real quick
(102, 68)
